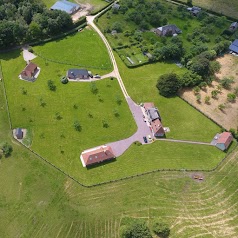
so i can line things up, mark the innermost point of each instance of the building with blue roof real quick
(66, 6)
(234, 46)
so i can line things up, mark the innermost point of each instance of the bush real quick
(231, 97)
(161, 229)
(168, 84)
(77, 126)
(226, 82)
(135, 229)
(190, 79)
(6, 149)
(51, 85)
(64, 80)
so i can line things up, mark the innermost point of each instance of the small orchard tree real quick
(105, 123)
(198, 97)
(231, 97)
(196, 90)
(203, 86)
(168, 84)
(221, 107)
(236, 91)
(226, 82)
(118, 100)
(51, 85)
(161, 229)
(6, 149)
(77, 126)
(214, 93)
(207, 100)
(93, 88)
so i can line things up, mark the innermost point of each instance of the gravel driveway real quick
(119, 147)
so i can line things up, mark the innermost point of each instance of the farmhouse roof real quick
(65, 6)
(225, 138)
(169, 28)
(96, 155)
(29, 70)
(234, 46)
(19, 133)
(153, 113)
(76, 73)
(157, 127)
(234, 24)
(116, 6)
(148, 105)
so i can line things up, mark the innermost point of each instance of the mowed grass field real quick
(38, 201)
(56, 139)
(228, 8)
(185, 122)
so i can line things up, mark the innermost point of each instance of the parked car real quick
(145, 139)
(97, 76)
(149, 138)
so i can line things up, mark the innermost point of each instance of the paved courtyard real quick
(119, 147)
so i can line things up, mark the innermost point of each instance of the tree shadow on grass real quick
(93, 166)
(10, 55)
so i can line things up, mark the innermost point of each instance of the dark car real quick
(145, 139)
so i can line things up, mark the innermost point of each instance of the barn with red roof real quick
(96, 155)
(224, 140)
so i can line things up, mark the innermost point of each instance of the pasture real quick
(228, 8)
(38, 201)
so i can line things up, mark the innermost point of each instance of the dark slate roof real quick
(154, 113)
(75, 73)
(173, 28)
(65, 6)
(116, 6)
(234, 46)
(19, 133)
(234, 24)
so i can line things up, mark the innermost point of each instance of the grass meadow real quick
(38, 201)
(228, 8)
(51, 124)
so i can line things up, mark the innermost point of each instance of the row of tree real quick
(24, 21)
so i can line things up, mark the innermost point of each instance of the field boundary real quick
(67, 63)
(206, 10)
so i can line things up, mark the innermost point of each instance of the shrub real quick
(207, 100)
(221, 107)
(93, 88)
(105, 124)
(51, 85)
(214, 93)
(236, 91)
(231, 97)
(226, 82)
(64, 80)
(196, 90)
(6, 149)
(77, 126)
(161, 229)
(198, 97)
(135, 229)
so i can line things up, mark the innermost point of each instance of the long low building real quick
(96, 155)
(65, 6)
(154, 119)
(75, 74)
(234, 46)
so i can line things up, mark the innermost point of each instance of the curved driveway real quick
(119, 147)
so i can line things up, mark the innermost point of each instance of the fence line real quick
(67, 63)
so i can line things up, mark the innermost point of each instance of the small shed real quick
(233, 26)
(19, 133)
(234, 46)
(224, 140)
(116, 6)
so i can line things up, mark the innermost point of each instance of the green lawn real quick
(185, 122)
(85, 49)
(38, 201)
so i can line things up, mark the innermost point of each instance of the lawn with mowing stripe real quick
(185, 122)
(56, 139)
(84, 48)
(38, 201)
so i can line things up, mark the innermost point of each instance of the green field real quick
(38, 201)
(57, 141)
(228, 8)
